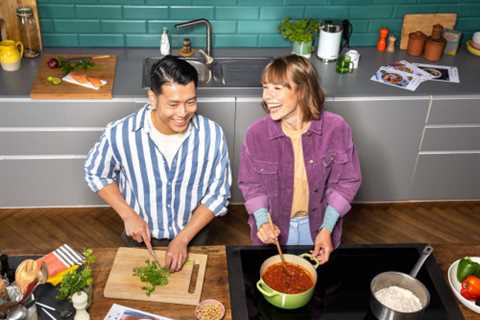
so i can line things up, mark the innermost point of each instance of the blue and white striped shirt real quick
(163, 196)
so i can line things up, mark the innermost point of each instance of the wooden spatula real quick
(284, 263)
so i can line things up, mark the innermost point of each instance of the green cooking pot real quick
(286, 300)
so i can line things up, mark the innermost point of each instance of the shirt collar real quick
(141, 119)
(275, 128)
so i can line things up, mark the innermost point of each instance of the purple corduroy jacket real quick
(267, 168)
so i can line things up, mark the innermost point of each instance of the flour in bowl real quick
(399, 299)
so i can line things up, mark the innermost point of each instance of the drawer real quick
(46, 143)
(450, 176)
(451, 139)
(62, 114)
(45, 182)
(454, 111)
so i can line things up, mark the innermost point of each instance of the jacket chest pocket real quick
(268, 174)
(328, 169)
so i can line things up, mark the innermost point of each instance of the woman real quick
(297, 164)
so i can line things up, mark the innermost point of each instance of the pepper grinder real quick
(391, 43)
(382, 39)
(435, 44)
(80, 300)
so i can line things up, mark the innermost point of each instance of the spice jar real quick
(28, 32)
(416, 43)
(435, 44)
(453, 40)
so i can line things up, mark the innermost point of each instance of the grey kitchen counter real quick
(337, 86)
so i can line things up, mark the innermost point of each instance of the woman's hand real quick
(267, 234)
(323, 246)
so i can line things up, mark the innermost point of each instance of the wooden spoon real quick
(282, 258)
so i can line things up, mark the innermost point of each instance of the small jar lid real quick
(417, 35)
(24, 12)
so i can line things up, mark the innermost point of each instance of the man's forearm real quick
(111, 195)
(200, 218)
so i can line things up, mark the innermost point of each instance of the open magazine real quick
(119, 312)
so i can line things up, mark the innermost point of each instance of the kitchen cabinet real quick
(449, 153)
(247, 111)
(44, 145)
(386, 133)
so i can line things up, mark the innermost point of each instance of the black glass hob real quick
(343, 287)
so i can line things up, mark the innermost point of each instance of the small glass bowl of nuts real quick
(210, 309)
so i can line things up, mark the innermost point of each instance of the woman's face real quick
(280, 100)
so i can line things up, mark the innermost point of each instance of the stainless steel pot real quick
(402, 280)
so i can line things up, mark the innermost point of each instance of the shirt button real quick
(168, 206)
(261, 170)
(311, 161)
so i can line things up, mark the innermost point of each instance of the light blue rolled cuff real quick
(330, 219)
(261, 217)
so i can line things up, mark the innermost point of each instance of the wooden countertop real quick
(216, 280)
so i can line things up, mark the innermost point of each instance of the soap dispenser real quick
(164, 43)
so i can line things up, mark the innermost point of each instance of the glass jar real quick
(453, 41)
(28, 32)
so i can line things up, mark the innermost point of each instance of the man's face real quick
(174, 107)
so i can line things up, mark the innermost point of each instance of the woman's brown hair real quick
(298, 70)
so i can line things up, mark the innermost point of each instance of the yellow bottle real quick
(11, 54)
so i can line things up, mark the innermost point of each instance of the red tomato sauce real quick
(295, 281)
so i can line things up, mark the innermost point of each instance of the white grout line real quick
(449, 152)
(51, 129)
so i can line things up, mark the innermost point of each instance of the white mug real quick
(354, 57)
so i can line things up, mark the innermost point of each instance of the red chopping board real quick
(184, 287)
(104, 69)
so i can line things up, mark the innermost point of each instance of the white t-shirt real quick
(168, 144)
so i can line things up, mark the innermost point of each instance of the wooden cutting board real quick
(425, 23)
(103, 69)
(184, 287)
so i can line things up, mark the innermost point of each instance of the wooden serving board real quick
(425, 23)
(122, 284)
(8, 18)
(103, 69)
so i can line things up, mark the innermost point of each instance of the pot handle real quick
(312, 258)
(265, 291)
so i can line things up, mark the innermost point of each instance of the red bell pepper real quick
(471, 288)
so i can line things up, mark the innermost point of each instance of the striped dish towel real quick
(61, 258)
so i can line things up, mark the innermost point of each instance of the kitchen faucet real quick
(208, 31)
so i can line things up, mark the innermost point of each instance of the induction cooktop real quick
(343, 287)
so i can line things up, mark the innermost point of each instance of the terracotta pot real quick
(435, 44)
(416, 43)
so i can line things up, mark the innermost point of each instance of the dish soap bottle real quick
(164, 43)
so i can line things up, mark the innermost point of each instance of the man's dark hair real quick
(171, 69)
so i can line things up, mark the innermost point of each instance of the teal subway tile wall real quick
(236, 23)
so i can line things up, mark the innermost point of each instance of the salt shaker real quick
(391, 43)
(80, 300)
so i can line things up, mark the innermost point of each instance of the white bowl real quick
(457, 286)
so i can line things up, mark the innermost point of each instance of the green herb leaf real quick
(301, 30)
(152, 275)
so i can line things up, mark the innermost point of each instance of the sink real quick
(241, 72)
(204, 72)
(224, 72)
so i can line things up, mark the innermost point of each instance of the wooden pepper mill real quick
(435, 44)
(391, 43)
(382, 39)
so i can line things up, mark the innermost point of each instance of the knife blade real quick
(87, 58)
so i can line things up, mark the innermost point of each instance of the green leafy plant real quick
(152, 275)
(301, 30)
(68, 65)
(79, 279)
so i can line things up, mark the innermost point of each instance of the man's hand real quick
(323, 246)
(137, 228)
(176, 254)
(267, 234)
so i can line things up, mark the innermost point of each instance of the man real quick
(164, 169)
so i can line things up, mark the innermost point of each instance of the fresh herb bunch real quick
(301, 30)
(79, 279)
(152, 275)
(67, 65)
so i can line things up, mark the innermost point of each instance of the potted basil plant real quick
(300, 32)
(77, 280)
